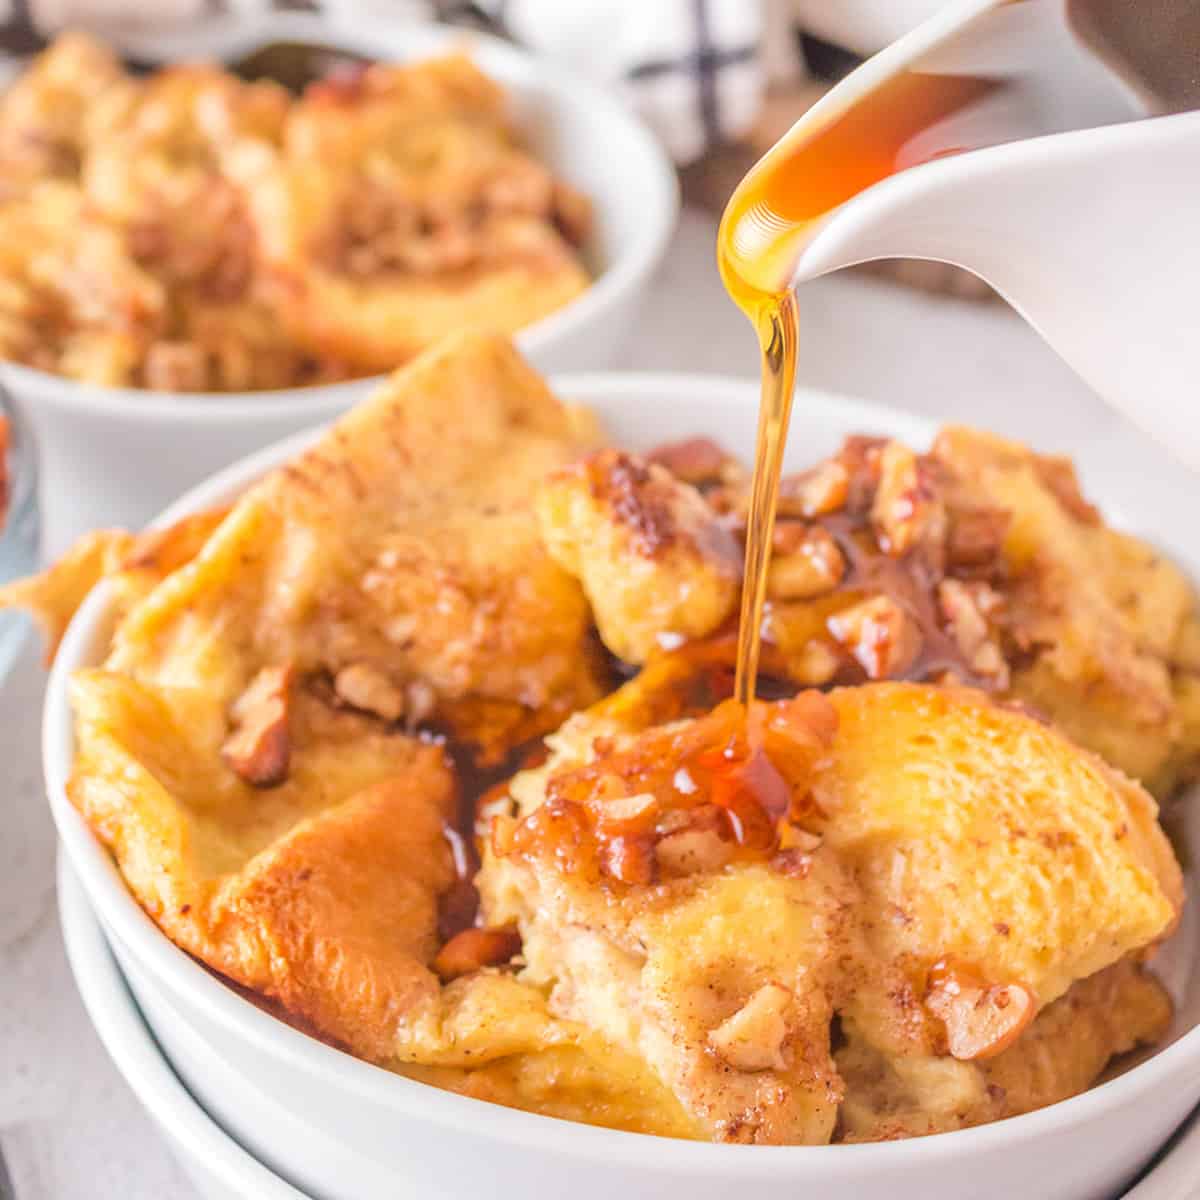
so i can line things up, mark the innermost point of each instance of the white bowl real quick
(215, 1163)
(117, 456)
(347, 1130)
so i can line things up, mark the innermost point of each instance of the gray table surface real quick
(69, 1127)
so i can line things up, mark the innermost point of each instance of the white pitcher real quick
(1087, 216)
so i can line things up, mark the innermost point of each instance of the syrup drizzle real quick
(829, 157)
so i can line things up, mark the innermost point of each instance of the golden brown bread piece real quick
(933, 826)
(980, 562)
(405, 539)
(188, 230)
(264, 804)
(1062, 1053)
(652, 557)
(320, 893)
(401, 207)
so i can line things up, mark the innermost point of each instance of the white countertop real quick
(69, 1127)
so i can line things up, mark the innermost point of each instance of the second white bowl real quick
(117, 456)
(346, 1130)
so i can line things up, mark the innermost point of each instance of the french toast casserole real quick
(427, 742)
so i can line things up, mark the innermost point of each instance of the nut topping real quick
(697, 461)
(981, 1021)
(907, 511)
(365, 687)
(473, 949)
(692, 851)
(824, 489)
(966, 607)
(808, 563)
(259, 748)
(880, 634)
(753, 1038)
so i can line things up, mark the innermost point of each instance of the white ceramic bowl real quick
(346, 1130)
(215, 1163)
(117, 456)
(222, 1170)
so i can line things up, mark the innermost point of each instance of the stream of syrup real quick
(831, 155)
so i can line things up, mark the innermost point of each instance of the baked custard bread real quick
(188, 230)
(917, 890)
(979, 561)
(399, 205)
(934, 870)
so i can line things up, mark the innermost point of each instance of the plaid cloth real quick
(691, 67)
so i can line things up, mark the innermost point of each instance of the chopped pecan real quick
(628, 814)
(630, 859)
(420, 701)
(816, 663)
(975, 537)
(259, 748)
(880, 634)
(696, 460)
(981, 1020)
(907, 510)
(473, 949)
(861, 456)
(365, 687)
(823, 489)
(692, 852)
(753, 1039)
(966, 608)
(175, 367)
(808, 563)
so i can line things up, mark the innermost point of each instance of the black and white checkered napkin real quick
(691, 67)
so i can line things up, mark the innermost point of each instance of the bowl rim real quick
(643, 158)
(123, 1032)
(181, 975)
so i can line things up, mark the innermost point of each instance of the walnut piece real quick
(807, 562)
(981, 1021)
(753, 1038)
(473, 949)
(365, 687)
(966, 607)
(880, 634)
(823, 489)
(259, 749)
(907, 510)
(692, 852)
(696, 461)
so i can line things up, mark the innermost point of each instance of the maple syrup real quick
(829, 157)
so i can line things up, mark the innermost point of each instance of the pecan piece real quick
(692, 852)
(473, 949)
(907, 510)
(976, 536)
(259, 748)
(368, 689)
(696, 460)
(175, 367)
(808, 563)
(880, 634)
(630, 859)
(966, 607)
(823, 489)
(981, 1021)
(753, 1038)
